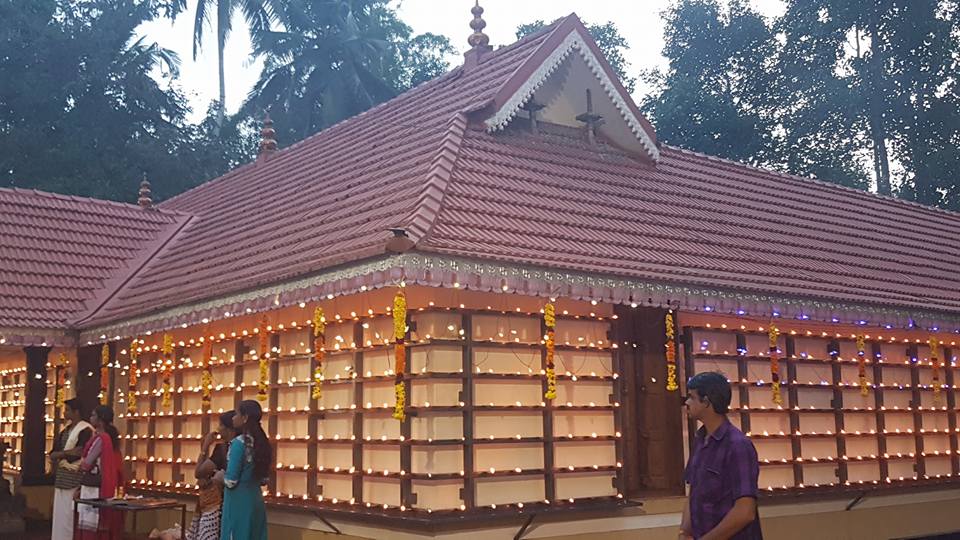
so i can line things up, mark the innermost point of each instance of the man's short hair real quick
(714, 387)
(74, 404)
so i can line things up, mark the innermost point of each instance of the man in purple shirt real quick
(722, 471)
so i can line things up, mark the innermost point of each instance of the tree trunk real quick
(878, 129)
(221, 107)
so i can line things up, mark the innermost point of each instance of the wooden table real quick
(134, 506)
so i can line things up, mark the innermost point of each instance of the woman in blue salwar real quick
(249, 460)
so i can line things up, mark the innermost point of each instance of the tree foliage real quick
(338, 58)
(846, 90)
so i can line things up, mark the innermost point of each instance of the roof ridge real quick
(428, 206)
(30, 192)
(115, 285)
(818, 182)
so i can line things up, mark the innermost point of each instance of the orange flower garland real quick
(934, 344)
(134, 368)
(61, 380)
(263, 354)
(550, 321)
(206, 376)
(400, 353)
(862, 366)
(104, 374)
(167, 366)
(774, 334)
(319, 342)
(671, 347)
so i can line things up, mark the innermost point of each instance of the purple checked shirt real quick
(722, 469)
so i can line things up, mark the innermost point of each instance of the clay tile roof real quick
(425, 162)
(552, 200)
(328, 199)
(60, 254)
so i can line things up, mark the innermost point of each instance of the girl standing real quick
(206, 525)
(249, 460)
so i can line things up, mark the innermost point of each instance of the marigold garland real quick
(774, 334)
(167, 367)
(671, 347)
(550, 321)
(104, 374)
(61, 380)
(134, 369)
(206, 376)
(934, 344)
(263, 354)
(400, 353)
(862, 366)
(319, 343)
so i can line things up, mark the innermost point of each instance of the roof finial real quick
(145, 201)
(268, 138)
(479, 42)
(478, 38)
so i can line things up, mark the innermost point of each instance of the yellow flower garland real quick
(862, 366)
(263, 384)
(134, 367)
(671, 352)
(104, 374)
(206, 376)
(934, 344)
(400, 353)
(550, 321)
(319, 343)
(61, 380)
(774, 334)
(167, 366)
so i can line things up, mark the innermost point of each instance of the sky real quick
(639, 21)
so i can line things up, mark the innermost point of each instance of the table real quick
(134, 506)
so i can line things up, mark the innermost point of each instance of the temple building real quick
(470, 312)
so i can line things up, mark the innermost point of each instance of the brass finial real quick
(268, 137)
(145, 200)
(478, 39)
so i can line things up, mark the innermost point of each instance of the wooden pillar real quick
(87, 376)
(273, 401)
(743, 374)
(34, 422)
(877, 353)
(549, 478)
(949, 382)
(357, 444)
(833, 349)
(468, 492)
(919, 463)
(793, 398)
(178, 419)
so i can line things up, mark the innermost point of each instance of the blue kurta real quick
(244, 515)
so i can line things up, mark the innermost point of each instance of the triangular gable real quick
(557, 75)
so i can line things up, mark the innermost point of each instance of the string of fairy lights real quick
(907, 396)
(340, 336)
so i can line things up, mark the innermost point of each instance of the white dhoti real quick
(63, 514)
(89, 516)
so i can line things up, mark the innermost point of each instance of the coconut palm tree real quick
(259, 15)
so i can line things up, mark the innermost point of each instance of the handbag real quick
(67, 476)
(91, 478)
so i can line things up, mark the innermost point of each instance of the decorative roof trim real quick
(36, 337)
(431, 270)
(574, 41)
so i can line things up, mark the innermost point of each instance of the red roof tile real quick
(59, 253)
